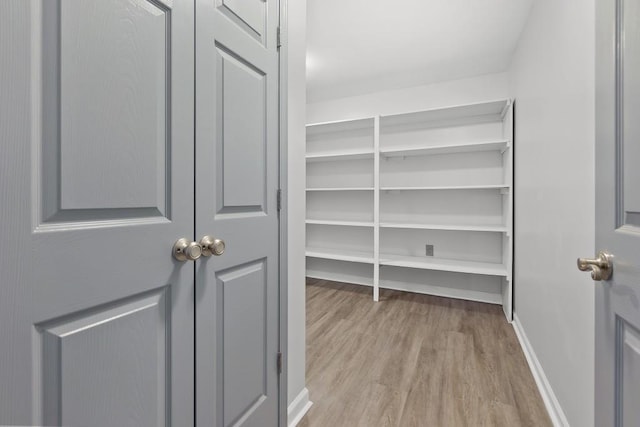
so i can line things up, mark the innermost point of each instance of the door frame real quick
(283, 144)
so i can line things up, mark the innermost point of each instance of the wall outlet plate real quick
(428, 249)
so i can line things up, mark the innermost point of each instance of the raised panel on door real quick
(243, 334)
(237, 147)
(107, 366)
(627, 373)
(106, 86)
(628, 210)
(129, 48)
(97, 185)
(241, 162)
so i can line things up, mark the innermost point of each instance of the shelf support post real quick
(376, 208)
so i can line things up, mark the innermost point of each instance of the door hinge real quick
(278, 38)
(279, 363)
(279, 198)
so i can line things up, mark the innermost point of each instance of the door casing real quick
(284, 216)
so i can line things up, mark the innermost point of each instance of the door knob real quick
(186, 250)
(601, 268)
(211, 246)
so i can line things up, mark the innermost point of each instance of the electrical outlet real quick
(428, 249)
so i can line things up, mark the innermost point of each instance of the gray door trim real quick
(605, 107)
(284, 217)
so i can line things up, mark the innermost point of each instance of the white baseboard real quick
(298, 408)
(558, 418)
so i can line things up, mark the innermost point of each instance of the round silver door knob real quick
(186, 250)
(211, 246)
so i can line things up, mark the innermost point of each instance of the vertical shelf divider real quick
(376, 209)
(507, 293)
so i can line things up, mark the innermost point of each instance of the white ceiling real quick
(363, 46)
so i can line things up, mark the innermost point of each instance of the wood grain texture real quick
(413, 360)
(113, 100)
(69, 272)
(15, 267)
(237, 171)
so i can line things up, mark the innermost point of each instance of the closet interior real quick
(420, 201)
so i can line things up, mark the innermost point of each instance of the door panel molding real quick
(627, 149)
(627, 375)
(243, 364)
(241, 165)
(249, 16)
(75, 358)
(125, 115)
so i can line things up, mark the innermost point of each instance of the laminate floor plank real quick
(413, 360)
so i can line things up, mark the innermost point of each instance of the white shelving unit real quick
(380, 189)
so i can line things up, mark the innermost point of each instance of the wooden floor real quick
(413, 360)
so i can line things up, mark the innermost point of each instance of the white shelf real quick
(449, 187)
(341, 223)
(473, 293)
(340, 255)
(327, 275)
(440, 264)
(341, 189)
(451, 227)
(339, 126)
(445, 149)
(479, 112)
(340, 156)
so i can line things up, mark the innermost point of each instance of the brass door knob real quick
(601, 268)
(186, 250)
(211, 246)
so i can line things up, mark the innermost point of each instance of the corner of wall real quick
(296, 92)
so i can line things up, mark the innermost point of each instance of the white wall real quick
(296, 50)
(476, 89)
(552, 79)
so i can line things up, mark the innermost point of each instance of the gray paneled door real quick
(617, 368)
(236, 191)
(98, 180)
(96, 184)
